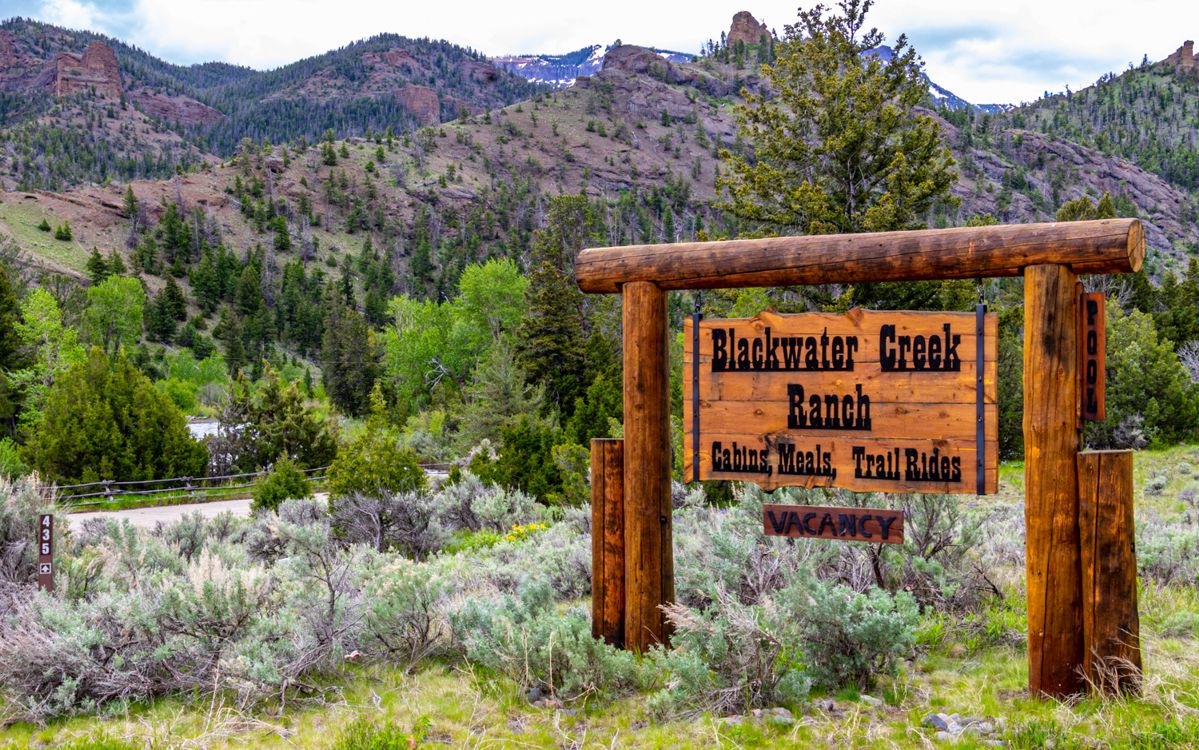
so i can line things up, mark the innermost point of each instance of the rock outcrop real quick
(422, 102)
(746, 29)
(399, 57)
(1183, 58)
(630, 61)
(180, 109)
(96, 71)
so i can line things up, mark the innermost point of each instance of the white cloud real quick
(1010, 51)
(72, 14)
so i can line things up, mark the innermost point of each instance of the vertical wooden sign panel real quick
(872, 401)
(45, 552)
(1092, 351)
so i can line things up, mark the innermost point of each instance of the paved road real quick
(147, 518)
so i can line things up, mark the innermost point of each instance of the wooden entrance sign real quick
(869, 401)
(1049, 256)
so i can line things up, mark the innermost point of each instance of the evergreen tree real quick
(104, 419)
(552, 336)
(116, 264)
(500, 394)
(259, 423)
(11, 355)
(174, 235)
(838, 144)
(348, 359)
(97, 267)
(229, 332)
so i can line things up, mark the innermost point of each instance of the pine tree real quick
(552, 337)
(838, 144)
(116, 264)
(348, 358)
(229, 332)
(97, 267)
(500, 394)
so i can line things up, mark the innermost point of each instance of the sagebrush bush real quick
(527, 639)
(21, 500)
(406, 617)
(403, 521)
(1167, 549)
(284, 481)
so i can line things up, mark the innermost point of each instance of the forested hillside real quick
(78, 107)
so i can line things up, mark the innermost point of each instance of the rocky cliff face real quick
(180, 109)
(96, 71)
(746, 29)
(422, 102)
(1183, 58)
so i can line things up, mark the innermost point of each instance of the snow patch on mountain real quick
(560, 71)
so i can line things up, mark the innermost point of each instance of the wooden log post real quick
(649, 555)
(1051, 438)
(607, 540)
(1111, 626)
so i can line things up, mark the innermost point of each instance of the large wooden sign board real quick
(870, 401)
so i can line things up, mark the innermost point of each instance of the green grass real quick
(21, 217)
(461, 707)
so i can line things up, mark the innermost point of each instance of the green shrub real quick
(849, 637)
(372, 465)
(525, 461)
(11, 464)
(284, 481)
(104, 419)
(529, 641)
(375, 462)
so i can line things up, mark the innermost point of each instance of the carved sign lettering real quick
(871, 401)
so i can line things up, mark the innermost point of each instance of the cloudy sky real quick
(998, 51)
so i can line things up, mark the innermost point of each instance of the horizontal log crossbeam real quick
(1104, 246)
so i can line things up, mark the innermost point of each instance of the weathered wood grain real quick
(1092, 354)
(1111, 624)
(932, 412)
(649, 554)
(1051, 437)
(607, 540)
(1088, 247)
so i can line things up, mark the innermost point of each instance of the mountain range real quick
(443, 156)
